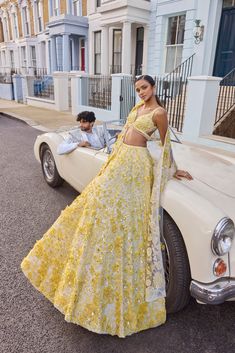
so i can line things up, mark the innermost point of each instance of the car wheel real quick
(49, 169)
(176, 264)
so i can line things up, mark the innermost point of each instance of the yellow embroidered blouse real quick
(143, 124)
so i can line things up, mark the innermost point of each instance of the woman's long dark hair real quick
(151, 81)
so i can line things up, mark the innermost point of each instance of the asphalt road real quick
(28, 322)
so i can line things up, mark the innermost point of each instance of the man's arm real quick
(84, 144)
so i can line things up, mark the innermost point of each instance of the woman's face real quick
(144, 89)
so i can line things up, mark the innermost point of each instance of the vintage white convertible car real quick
(198, 216)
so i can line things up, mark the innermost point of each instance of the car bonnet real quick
(214, 170)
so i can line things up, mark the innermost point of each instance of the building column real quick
(17, 58)
(61, 89)
(200, 113)
(66, 53)
(42, 55)
(69, 8)
(39, 53)
(48, 68)
(145, 49)
(53, 54)
(90, 69)
(73, 57)
(126, 47)
(105, 50)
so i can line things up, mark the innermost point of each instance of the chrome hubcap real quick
(48, 165)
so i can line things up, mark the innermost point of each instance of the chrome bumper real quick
(213, 293)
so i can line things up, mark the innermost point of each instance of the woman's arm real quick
(161, 121)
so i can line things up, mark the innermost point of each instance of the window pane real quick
(178, 59)
(97, 63)
(33, 52)
(172, 27)
(117, 41)
(117, 50)
(117, 59)
(170, 58)
(76, 8)
(228, 3)
(181, 27)
(97, 45)
(33, 56)
(12, 58)
(97, 42)
(140, 33)
(23, 56)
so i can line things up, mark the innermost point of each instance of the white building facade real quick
(43, 35)
(118, 35)
(139, 36)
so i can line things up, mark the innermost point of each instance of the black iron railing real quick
(97, 91)
(128, 96)
(226, 99)
(43, 84)
(40, 72)
(136, 70)
(115, 69)
(171, 90)
(5, 77)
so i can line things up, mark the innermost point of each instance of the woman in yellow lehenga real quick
(100, 263)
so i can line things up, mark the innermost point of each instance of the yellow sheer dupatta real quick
(164, 169)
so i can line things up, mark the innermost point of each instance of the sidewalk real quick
(39, 118)
(49, 120)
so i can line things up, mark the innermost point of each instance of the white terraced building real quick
(134, 36)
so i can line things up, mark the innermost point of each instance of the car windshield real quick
(109, 129)
(113, 127)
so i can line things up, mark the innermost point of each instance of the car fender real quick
(196, 218)
(52, 139)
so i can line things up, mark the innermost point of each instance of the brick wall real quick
(19, 23)
(45, 13)
(63, 9)
(1, 32)
(227, 126)
(30, 9)
(84, 7)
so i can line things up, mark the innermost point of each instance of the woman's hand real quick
(179, 174)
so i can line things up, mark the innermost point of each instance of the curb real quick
(25, 121)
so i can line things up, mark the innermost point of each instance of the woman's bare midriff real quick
(134, 138)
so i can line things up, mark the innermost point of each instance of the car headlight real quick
(223, 235)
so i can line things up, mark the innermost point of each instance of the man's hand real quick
(84, 144)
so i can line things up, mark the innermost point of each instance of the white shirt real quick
(95, 138)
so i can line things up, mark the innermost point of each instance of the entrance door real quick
(139, 50)
(225, 52)
(82, 55)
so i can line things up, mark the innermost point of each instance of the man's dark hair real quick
(87, 116)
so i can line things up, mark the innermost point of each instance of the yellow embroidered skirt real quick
(91, 264)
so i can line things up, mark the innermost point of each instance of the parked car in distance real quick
(198, 216)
